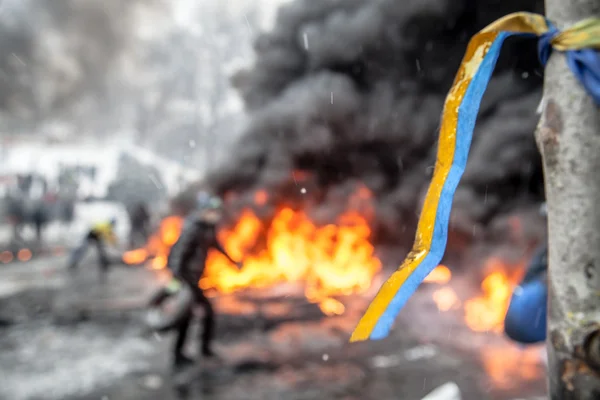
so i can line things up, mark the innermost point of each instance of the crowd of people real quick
(29, 201)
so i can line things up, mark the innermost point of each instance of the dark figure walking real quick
(40, 218)
(16, 217)
(139, 221)
(187, 262)
(98, 236)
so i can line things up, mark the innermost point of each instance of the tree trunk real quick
(569, 138)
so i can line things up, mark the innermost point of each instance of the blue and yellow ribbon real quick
(458, 121)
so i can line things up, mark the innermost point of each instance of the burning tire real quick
(166, 309)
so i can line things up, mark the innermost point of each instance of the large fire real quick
(337, 260)
(331, 260)
(485, 312)
(505, 365)
(158, 245)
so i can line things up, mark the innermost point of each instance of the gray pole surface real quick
(569, 138)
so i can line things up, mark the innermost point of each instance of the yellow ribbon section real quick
(584, 34)
(522, 22)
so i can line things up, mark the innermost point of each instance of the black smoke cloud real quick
(56, 52)
(352, 91)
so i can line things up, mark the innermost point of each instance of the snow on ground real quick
(108, 356)
(42, 360)
(94, 359)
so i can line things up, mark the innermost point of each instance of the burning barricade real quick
(336, 262)
(332, 260)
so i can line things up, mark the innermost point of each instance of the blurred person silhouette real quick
(187, 263)
(66, 211)
(98, 235)
(139, 222)
(525, 320)
(41, 216)
(16, 214)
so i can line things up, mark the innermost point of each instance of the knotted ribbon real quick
(581, 46)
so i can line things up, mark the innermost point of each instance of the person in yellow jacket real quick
(99, 235)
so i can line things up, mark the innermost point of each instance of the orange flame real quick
(441, 274)
(446, 298)
(6, 256)
(332, 260)
(506, 366)
(24, 255)
(487, 312)
(135, 256)
(261, 197)
(158, 245)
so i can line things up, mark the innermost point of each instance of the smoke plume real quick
(57, 53)
(352, 91)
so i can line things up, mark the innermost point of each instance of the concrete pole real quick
(569, 138)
